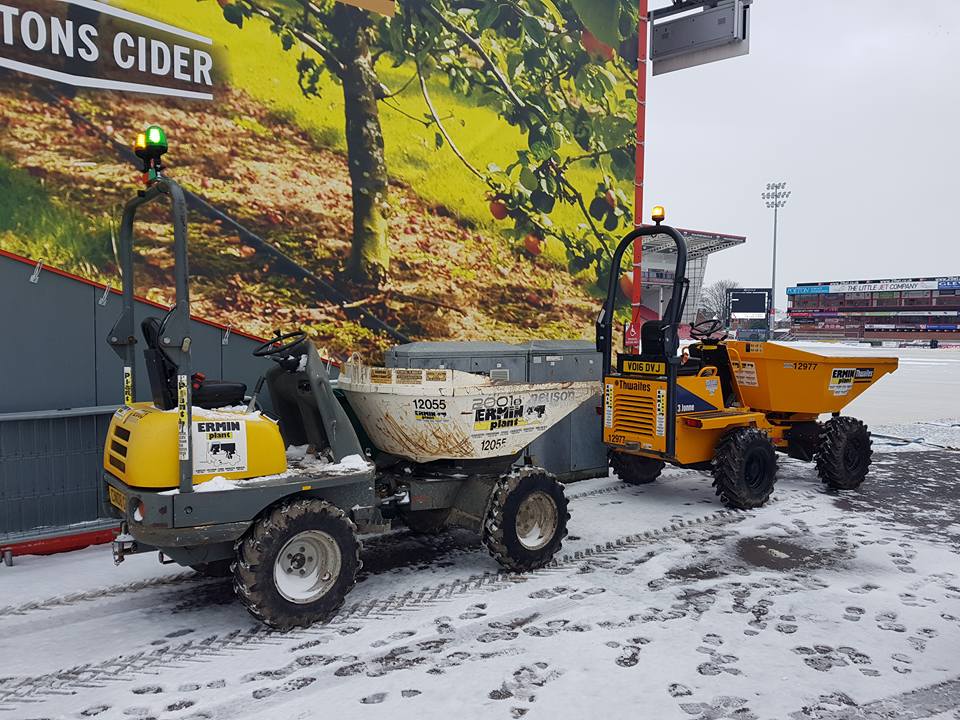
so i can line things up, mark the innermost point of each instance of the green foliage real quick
(548, 68)
(34, 224)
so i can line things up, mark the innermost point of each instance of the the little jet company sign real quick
(85, 43)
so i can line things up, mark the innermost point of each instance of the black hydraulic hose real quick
(283, 261)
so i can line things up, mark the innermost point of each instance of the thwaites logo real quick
(90, 44)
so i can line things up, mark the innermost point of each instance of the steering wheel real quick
(706, 329)
(280, 346)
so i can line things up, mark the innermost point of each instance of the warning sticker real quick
(746, 373)
(436, 375)
(219, 446)
(381, 376)
(128, 385)
(661, 411)
(183, 443)
(841, 380)
(409, 377)
(608, 406)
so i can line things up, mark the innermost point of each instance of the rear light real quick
(693, 422)
(139, 510)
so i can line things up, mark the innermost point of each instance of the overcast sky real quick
(856, 105)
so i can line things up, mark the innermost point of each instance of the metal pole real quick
(643, 39)
(776, 198)
(773, 281)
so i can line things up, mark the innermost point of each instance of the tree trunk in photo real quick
(370, 252)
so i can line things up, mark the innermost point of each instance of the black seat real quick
(162, 372)
(652, 339)
(653, 346)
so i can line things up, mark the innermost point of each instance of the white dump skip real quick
(426, 415)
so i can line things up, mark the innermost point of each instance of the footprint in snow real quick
(409, 693)
(147, 690)
(629, 657)
(374, 699)
(853, 613)
(95, 710)
(179, 705)
(179, 633)
(721, 707)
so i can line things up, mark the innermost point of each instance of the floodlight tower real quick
(776, 197)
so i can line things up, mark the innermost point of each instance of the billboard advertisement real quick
(943, 283)
(369, 171)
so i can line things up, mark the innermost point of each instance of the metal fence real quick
(59, 384)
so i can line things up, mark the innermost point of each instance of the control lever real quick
(256, 391)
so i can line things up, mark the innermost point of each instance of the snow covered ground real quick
(835, 606)
(664, 605)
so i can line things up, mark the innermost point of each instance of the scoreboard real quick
(749, 303)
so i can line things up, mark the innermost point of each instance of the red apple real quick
(594, 46)
(533, 244)
(498, 209)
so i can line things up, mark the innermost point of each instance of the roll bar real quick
(175, 330)
(675, 307)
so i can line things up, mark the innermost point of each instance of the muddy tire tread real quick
(728, 462)
(830, 447)
(265, 533)
(492, 532)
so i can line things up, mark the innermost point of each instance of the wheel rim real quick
(853, 455)
(755, 471)
(537, 519)
(307, 567)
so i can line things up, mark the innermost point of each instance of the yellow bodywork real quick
(142, 446)
(781, 379)
(775, 386)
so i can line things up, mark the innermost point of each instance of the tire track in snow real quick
(371, 545)
(16, 691)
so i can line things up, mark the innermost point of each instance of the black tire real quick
(844, 453)
(215, 569)
(258, 553)
(426, 522)
(744, 468)
(635, 469)
(539, 495)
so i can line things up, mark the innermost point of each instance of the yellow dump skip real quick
(776, 378)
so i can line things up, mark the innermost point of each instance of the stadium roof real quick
(699, 243)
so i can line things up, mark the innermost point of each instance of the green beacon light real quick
(150, 147)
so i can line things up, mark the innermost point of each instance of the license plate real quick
(641, 367)
(117, 498)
